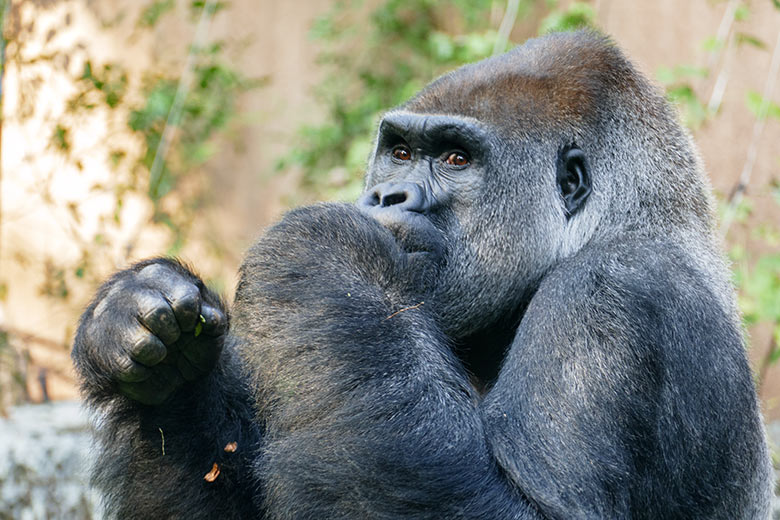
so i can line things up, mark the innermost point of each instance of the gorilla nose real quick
(389, 196)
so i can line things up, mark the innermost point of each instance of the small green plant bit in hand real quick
(199, 326)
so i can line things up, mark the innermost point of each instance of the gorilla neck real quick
(483, 351)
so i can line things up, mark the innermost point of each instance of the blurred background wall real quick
(136, 128)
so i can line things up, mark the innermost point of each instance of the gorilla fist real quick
(149, 331)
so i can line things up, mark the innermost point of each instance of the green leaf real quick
(713, 44)
(775, 187)
(442, 46)
(749, 39)
(742, 13)
(693, 111)
(669, 76)
(152, 13)
(776, 335)
(755, 102)
(87, 74)
(198, 5)
(60, 139)
(199, 325)
(577, 16)
(775, 355)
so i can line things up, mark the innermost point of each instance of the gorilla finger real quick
(201, 356)
(146, 348)
(156, 389)
(186, 308)
(214, 320)
(129, 371)
(181, 293)
(156, 314)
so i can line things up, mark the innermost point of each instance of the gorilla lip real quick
(413, 232)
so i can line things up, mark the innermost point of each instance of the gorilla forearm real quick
(160, 455)
(359, 399)
(155, 362)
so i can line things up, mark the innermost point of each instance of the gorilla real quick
(526, 315)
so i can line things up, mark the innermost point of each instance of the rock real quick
(44, 463)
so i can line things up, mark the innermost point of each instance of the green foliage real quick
(54, 284)
(679, 90)
(110, 84)
(760, 296)
(761, 108)
(679, 73)
(761, 290)
(757, 276)
(215, 7)
(208, 108)
(578, 15)
(152, 12)
(60, 138)
(742, 12)
(748, 39)
(683, 81)
(741, 210)
(712, 44)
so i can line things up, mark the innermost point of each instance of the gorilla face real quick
(488, 208)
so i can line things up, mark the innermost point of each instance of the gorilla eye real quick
(402, 153)
(457, 159)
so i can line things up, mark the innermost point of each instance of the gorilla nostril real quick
(393, 199)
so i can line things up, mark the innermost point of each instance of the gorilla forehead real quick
(560, 79)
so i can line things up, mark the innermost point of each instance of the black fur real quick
(506, 325)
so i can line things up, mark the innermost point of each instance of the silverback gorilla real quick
(526, 315)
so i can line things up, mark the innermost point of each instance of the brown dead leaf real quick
(212, 475)
(231, 447)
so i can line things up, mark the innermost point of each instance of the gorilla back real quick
(526, 315)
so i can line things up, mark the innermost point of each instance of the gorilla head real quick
(519, 161)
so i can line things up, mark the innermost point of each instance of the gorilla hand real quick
(150, 330)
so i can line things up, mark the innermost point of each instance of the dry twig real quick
(396, 313)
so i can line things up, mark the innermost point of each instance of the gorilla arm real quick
(168, 396)
(368, 414)
(627, 393)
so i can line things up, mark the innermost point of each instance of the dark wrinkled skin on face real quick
(526, 315)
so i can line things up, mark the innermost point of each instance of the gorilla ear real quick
(573, 178)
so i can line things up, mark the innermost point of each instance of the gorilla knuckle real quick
(186, 307)
(157, 273)
(156, 314)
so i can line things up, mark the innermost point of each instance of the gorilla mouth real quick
(414, 232)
